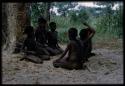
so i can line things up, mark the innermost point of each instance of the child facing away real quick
(86, 38)
(73, 60)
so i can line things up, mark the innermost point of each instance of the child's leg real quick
(44, 57)
(59, 62)
(57, 51)
(72, 65)
(42, 51)
(32, 58)
(51, 51)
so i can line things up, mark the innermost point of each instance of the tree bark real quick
(14, 19)
(47, 12)
(23, 18)
(9, 18)
(4, 23)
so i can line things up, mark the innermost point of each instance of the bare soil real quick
(104, 68)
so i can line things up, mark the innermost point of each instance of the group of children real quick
(39, 42)
(78, 49)
(43, 44)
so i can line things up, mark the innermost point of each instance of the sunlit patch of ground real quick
(104, 68)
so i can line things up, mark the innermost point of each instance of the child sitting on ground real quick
(41, 36)
(31, 47)
(86, 38)
(53, 39)
(73, 60)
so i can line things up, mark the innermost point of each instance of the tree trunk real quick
(28, 13)
(9, 23)
(47, 12)
(4, 23)
(14, 18)
(23, 18)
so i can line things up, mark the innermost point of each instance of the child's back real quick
(75, 51)
(52, 39)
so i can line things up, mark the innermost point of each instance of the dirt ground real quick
(104, 68)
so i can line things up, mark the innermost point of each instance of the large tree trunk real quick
(47, 12)
(9, 23)
(28, 13)
(4, 24)
(14, 19)
(23, 18)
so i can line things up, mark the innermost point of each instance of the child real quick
(73, 60)
(53, 40)
(41, 32)
(86, 37)
(19, 44)
(31, 47)
(41, 35)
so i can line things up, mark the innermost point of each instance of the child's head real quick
(42, 22)
(83, 34)
(52, 26)
(72, 33)
(28, 30)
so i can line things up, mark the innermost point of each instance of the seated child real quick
(41, 36)
(30, 46)
(86, 37)
(73, 60)
(53, 40)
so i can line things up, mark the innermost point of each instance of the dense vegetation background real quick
(106, 20)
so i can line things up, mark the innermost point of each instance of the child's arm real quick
(91, 31)
(66, 50)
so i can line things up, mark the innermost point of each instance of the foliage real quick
(64, 7)
(107, 22)
(110, 23)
